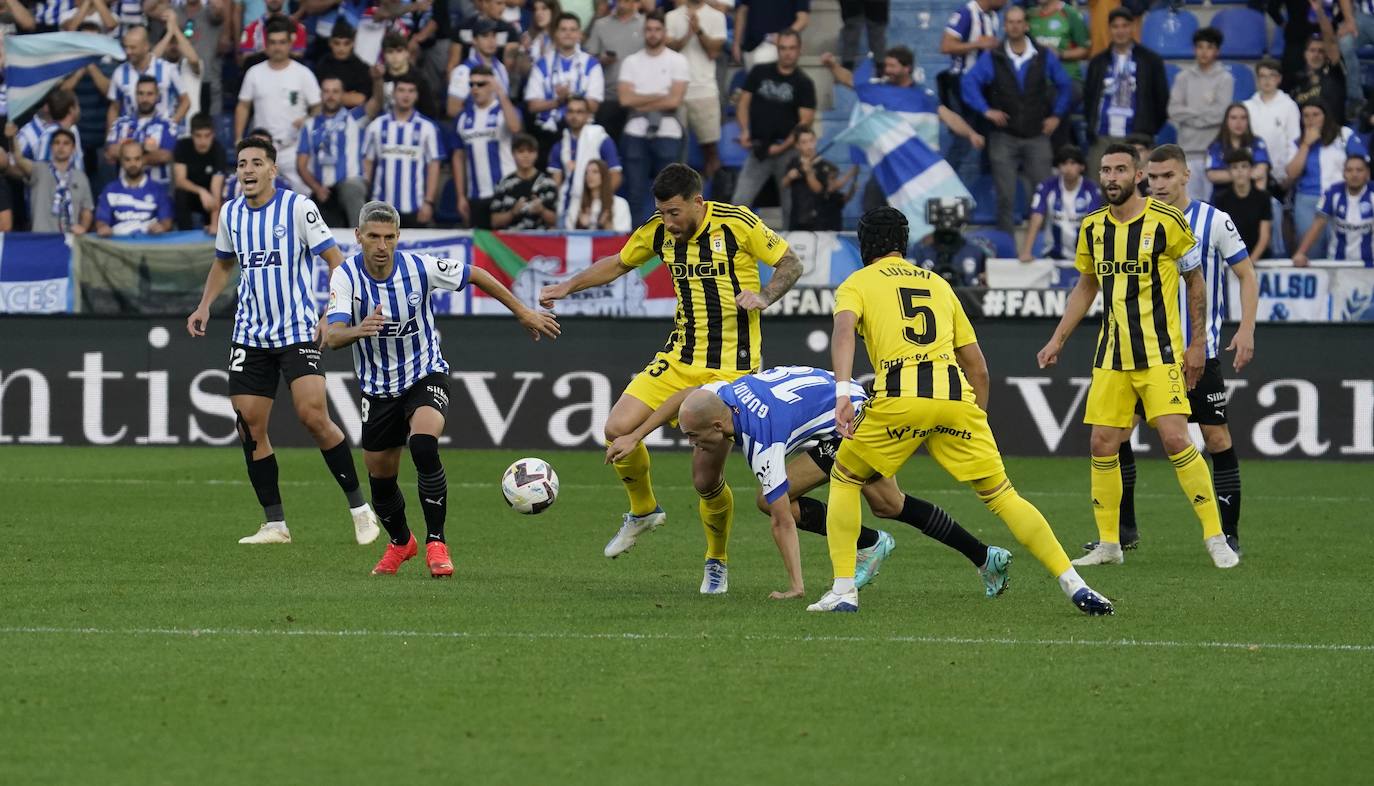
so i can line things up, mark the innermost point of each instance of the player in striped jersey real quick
(930, 387)
(789, 412)
(1348, 207)
(329, 155)
(401, 156)
(1134, 251)
(173, 102)
(274, 237)
(379, 303)
(712, 251)
(483, 156)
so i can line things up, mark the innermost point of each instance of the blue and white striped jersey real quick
(407, 349)
(581, 73)
(36, 137)
(124, 80)
(1218, 248)
(486, 148)
(275, 246)
(334, 144)
(458, 86)
(969, 23)
(776, 413)
(1351, 217)
(141, 129)
(402, 150)
(1063, 211)
(49, 13)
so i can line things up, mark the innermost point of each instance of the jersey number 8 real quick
(912, 310)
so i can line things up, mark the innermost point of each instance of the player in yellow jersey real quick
(1134, 251)
(712, 250)
(931, 387)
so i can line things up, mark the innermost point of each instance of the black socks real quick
(390, 507)
(1126, 455)
(812, 519)
(939, 525)
(433, 486)
(1226, 484)
(340, 462)
(262, 473)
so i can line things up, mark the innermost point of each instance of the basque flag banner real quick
(34, 64)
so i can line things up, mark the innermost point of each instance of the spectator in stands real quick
(329, 156)
(343, 64)
(198, 176)
(582, 143)
(15, 14)
(1274, 117)
(279, 93)
(70, 15)
(1322, 77)
(1059, 205)
(59, 111)
(1059, 27)
(232, 189)
(614, 38)
(538, 40)
(174, 48)
(698, 31)
(133, 203)
(204, 23)
(856, 15)
(59, 194)
(1248, 207)
(484, 53)
(464, 36)
(972, 30)
(174, 102)
(148, 128)
(777, 97)
(569, 72)
(401, 156)
(1126, 90)
(818, 191)
(254, 39)
(1197, 104)
(598, 206)
(1236, 134)
(1348, 207)
(1316, 163)
(526, 198)
(482, 157)
(652, 86)
(1357, 30)
(1024, 94)
(759, 24)
(397, 63)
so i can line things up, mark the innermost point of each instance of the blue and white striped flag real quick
(909, 172)
(34, 64)
(917, 105)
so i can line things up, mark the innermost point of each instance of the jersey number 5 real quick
(913, 311)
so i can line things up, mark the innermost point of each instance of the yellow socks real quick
(842, 522)
(1106, 491)
(1024, 520)
(1196, 481)
(717, 514)
(633, 471)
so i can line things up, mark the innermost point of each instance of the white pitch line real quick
(575, 636)
(602, 486)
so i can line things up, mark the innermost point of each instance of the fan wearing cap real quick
(931, 387)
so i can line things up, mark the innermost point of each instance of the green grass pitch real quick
(140, 644)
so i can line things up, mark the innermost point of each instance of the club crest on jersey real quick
(718, 243)
(414, 298)
(259, 258)
(1147, 242)
(279, 231)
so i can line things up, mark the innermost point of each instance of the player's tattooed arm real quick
(1196, 355)
(785, 273)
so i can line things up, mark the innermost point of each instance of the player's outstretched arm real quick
(214, 284)
(662, 416)
(602, 272)
(538, 323)
(785, 273)
(338, 335)
(1075, 308)
(1243, 343)
(785, 536)
(842, 358)
(970, 359)
(1195, 357)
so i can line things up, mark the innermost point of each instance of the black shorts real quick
(386, 421)
(254, 371)
(1207, 399)
(824, 454)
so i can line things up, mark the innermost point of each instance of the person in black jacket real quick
(1024, 93)
(1126, 90)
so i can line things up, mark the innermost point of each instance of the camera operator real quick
(944, 251)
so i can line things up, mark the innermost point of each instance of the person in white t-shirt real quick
(279, 93)
(653, 83)
(1274, 116)
(698, 31)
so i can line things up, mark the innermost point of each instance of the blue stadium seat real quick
(1170, 71)
(1276, 45)
(731, 154)
(446, 212)
(1242, 31)
(845, 99)
(1168, 135)
(1169, 33)
(695, 158)
(1002, 244)
(1244, 78)
(985, 201)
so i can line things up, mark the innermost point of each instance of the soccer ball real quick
(530, 485)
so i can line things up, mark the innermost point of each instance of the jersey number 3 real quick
(914, 311)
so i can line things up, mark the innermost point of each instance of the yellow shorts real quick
(1111, 399)
(666, 375)
(956, 433)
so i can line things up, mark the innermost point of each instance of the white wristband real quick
(844, 389)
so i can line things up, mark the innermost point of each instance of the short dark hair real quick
(565, 16)
(481, 70)
(677, 180)
(278, 23)
(1165, 153)
(147, 80)
(1208, 35)
(1068, 153)
(60, 103)
(393, 41)
(523, 141)
(1120, 12)
(657, 16)
(1121, 148)
(407, 79)
(803, 128)
(342, 29)
(580, 99)
(1271, 64)
(903, 55)
(1357, 157)
(260, 133)
(63, 132)
(1239, 156)
(250, 142)
(788, 32)
(1140, 140)
(332, 78)
(201, 120)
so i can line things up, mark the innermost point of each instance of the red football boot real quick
(436, 554)
(393, 557)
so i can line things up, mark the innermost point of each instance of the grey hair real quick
(379, 211)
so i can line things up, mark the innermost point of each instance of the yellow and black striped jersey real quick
(709, 270)
(911, 322)
(1137, 263)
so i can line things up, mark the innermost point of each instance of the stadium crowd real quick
(541, 114)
